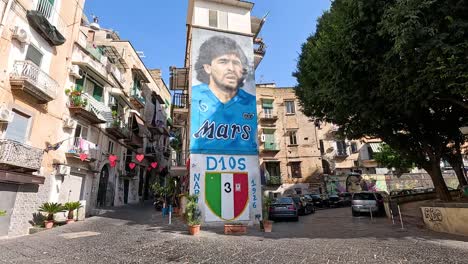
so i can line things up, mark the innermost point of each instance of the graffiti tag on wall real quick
(433, 214)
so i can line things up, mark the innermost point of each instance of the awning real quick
(140, 75)
(142, 130)
(45, 29)
(20, 178)
(375, 146)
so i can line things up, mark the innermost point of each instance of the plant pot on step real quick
(235, 229)
(267, 226)
(194, 229)
(48, 224)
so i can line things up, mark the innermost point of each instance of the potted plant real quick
(192, 214)
(267, 223)
(234, 228)
(50, 209)
(71, 207)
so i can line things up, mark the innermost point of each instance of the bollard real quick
(393, 219)
(401, 220)
(370, 210)
(170, 214)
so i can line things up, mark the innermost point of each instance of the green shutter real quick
(267, 104)
(79, 84)
(97, 92)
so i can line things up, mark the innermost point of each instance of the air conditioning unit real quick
(20, 34)
(6, 115)
(263, 138)
(63, 170)
(69, 123)
(76, 72)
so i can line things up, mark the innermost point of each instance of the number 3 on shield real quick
(227, 187)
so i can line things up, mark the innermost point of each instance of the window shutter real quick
(213, 18)
(34, 55)
(267, 104)
(18, 129)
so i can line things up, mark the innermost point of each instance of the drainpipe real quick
(5, 16)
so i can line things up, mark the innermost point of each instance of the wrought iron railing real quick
(26, 70)
(179, 158)
(98, 108)
(180, 100)
(271, 146)
(47, 9)
(81, 145)
(17, 154)
(274, 180)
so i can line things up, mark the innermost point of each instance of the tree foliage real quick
(392, 160)
(393, 69)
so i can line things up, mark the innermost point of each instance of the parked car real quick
(316, 199)
(345, 198)
(334, 200)
(310, 208)
(365, 202)
(304, 207)
(284, 208)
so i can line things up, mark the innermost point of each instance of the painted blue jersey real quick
(223, 128)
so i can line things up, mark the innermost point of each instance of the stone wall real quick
(28, 199)
(448, 218)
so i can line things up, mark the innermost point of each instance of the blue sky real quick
(157, 28)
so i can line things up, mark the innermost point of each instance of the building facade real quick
(290, 156)
(82, 118)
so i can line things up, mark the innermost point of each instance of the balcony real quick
(15, 156)
(274, 180)
(179, 163)
(90, 59)
(27, 77)
(47, 22)
(267, 117)
(180, 109)
(83, 146)
(134, 140)
(270, 147)
(118, 129)
(179, 79)
(88, 108)
(137, 99)
(259, 51)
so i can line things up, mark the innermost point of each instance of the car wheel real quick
(313, 210)
(355, 213)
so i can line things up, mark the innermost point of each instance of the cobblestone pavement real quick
(138, 234)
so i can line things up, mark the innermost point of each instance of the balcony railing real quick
(271, 146)
(180, 101)
(17, 156)
(117, 128)
(94, 111)
(47, 9)
(30, 78)
(274, 180)
(179, 159)
(81, 145)
(137, 99)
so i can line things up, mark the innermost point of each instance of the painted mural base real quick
(448, 218)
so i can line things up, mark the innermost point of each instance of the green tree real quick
(392, 69)
(392, 160)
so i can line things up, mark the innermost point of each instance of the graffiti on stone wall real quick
(433, 214)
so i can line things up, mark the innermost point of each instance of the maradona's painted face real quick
(225, 71)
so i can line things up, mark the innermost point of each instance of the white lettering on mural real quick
(210, 130)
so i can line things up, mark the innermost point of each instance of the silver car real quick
(365, 202)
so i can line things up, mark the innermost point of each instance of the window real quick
(371, 153)
(354, 147)
(34, 55)
(292, 138)
(18, 128)
(267, 106)
(217, 19)
(341, 148)
(273, 168)
(213, 18)
(290, 108)
(81, 131)
(110, 147)
(296, 169)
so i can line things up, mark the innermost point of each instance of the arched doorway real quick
(102, 191)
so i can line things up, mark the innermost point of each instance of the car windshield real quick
(284, 200)
(316, 196)
(363, 196)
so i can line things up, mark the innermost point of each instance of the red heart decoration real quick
(131, 165)
(139, 157)
(112, 158)
(83, 156)
(113, 163)
(187, 164)
(148, 169)
(154, 165)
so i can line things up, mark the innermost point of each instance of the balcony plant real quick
(71, 207)
(267, 223)
(235, 228)
(76, 97)
(50, 209)
(2, 212)
(192, 214)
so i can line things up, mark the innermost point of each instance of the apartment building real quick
(289, 147)
(83, 119)
(218, 26)
(36, 46)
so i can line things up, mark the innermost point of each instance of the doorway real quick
(7, 203)
(126, 184)
(102, 191)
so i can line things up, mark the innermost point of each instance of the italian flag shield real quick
(227, 194)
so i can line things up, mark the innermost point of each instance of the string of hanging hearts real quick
(113, 161)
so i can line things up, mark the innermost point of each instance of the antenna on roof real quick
(141, 54)
(95, 24)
